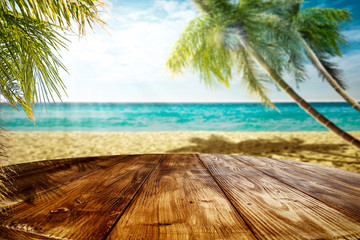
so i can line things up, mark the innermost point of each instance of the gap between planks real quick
(107, 181)
(38, 180)
(225, 180)
(132, 199)
(227, 197)
(151, 172)
(295, 168)
(126, 222)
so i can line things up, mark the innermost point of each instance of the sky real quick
(126, 62)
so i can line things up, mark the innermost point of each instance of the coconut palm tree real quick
(319, 38)
(230, 39)
(30, 40)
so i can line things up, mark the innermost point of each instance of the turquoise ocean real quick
(138, 117)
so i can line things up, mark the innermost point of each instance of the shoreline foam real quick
(317, 147)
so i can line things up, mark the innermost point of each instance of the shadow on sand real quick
(295, 149)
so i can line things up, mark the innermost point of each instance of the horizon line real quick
(188, 102)
(200, 102)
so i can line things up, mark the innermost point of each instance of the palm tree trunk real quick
(299, 100)
(314, 59)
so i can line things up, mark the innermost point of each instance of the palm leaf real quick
(212, 51)
(252, 78)
(59, 12)
(320, 27)
(333, 69)
(29, 60)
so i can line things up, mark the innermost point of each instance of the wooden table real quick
(202, 196)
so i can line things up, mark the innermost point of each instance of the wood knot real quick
(60, 210)
(14, 224)
(289, 199)
(164, 224)
(80, 202)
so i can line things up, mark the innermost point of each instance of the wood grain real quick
(85, 208)
(179, 197)
(275, 210)
(180, 200)
(24, 182)
(11, 234)
(327, 185)
(344, 176)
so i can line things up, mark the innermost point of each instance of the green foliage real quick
(211, 48)
(332, 68)
(58, 12)
(28, 60)
(211, 44)
(200, 47)
(320, 27)
(232, 38)
(252, 78)
(321, 30)
(30, 41)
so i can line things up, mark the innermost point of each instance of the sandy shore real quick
(316, 147)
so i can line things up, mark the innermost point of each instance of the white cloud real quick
(350, 64)
(136, 50)
(353, 35)
(176, 10)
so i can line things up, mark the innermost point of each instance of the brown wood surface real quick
(24, 182)
(181, 200)
(275, 210)
(344, 176)
(179, 197)
(85, 208)
(331, 188)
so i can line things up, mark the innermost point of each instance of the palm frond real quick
(187, 44)
(320, 27)
(278, 43)
(201, 48)
(333, 69)
(209, 47)
(326, 15)
(252, 78)
(29, 60)
(295, 67)
(202, 6)
(213, 7)
(59, 12)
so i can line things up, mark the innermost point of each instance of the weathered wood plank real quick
(27, 180)
(180, 200)
(325, 171)
(275, 210)
(328, 187)
(11, 234)
(85, 208)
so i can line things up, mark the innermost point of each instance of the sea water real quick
(137, 117)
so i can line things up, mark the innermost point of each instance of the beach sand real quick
(315, 147)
